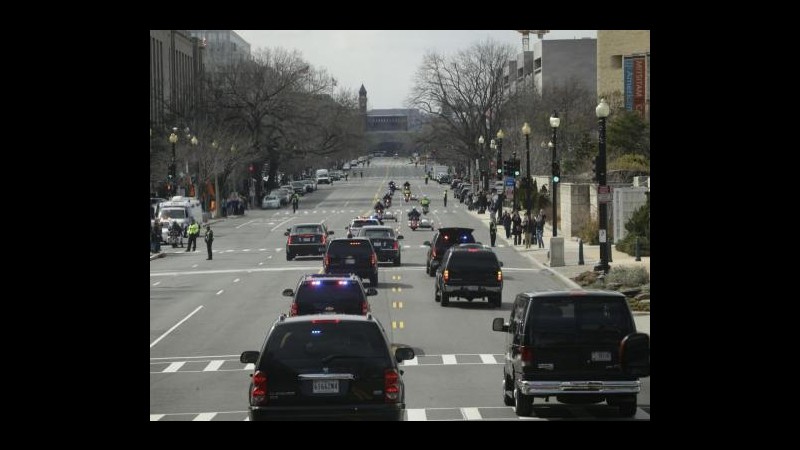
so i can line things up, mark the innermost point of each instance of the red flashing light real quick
(326, 321)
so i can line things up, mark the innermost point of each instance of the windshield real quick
(172, 213)
(378, 233)
(329, 296)
(310, 229)
(579, 319)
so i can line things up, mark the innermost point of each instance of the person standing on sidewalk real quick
(194, 230)
(516, 230)
(529, 229)
(540, 219)
(506, 219)
(492, 231)
(209, 238)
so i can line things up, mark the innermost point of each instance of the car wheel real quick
(289, 256)
(445, 298)
(436, 294)
(508, 400)
(397, 261)
(523, 404)
(428, 268)
(496, 300)
(626, 404)
(373, 280)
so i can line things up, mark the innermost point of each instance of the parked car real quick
(469, 271)
(443, 239)
(385, 241)
(356, 255)
(306, 239)
(327, 294)
(328, 366)
(299, 187)
(271, 201)
(579, 346)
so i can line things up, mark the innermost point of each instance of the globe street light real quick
(554, 122)
(500, 137)
(194, 181)
(526, 130)
(602, 112)
(173, 138)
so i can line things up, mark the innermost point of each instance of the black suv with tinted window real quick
(306, 239)
(469, 271)
(328, 294)
(578, 346)
(356, 255)
(326, 367)
(443, 239)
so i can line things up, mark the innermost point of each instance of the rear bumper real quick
(473, 290)
(390, 412)
(309, 249)
(387, 255)
(578, 387)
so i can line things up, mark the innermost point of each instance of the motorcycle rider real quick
(425, 202)
(379, 207)
(414, 214)
(175, 231)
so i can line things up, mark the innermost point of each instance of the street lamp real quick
(173, 138)
(191, 179)
(500, 137)
(526, 130)
(602, 111)
(554, 122)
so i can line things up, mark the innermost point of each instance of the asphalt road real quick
(203, 314)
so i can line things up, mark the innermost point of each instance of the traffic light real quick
(507, 168)
(516, 167)
(556, 172)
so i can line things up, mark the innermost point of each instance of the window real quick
(295, 344)
(472, 261)
(308, 230)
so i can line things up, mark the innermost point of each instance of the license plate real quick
(379, 244)
(326, 387)
(350, 261)
(601, 356)
(308, 239)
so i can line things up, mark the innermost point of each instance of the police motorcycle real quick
(425, 202)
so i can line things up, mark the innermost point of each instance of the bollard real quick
(638, 255)
(580, 252)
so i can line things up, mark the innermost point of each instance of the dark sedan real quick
(385, 241)
(306, 239)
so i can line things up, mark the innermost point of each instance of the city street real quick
(203, 314)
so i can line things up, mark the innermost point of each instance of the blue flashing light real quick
(316, 282)
(316, 331)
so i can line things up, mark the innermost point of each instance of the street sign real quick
(602, 236)
(509, 181)
(604, 194)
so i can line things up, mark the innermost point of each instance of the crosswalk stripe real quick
(471, 413)
(204, 417)
(250, 366)
(213, 365)
(415, 415)
(156, 417)
(449, 359)
(173, 367)
(411, 362)
(488, 359)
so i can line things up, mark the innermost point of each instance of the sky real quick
(384, 61)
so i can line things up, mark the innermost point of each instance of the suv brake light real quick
(373, 260)
(289, 241)
(364, 307)
(499, 275)
(259, 394)
(526, 355)
(396, 245)
(391, 386)
(446, 275)
(293, 310)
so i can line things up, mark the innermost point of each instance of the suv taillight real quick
(324, 239)
(396, 245)
(364, 307)
(293, 309)
(373, 260)
(446, 275)
(326, 261)
(259, 394)
(526, 355)
(289, 241)
(433, 254)
(499, 275)
(391, 386)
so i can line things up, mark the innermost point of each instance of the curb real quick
(157, 255)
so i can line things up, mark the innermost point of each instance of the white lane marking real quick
(250, 366)
(229, 251)
(246, 250)
(213, 365)
(156, 417)
(246, 223)
(488, 359)
(471, 413)
(266, 269)
(408, 246)
(345, 203)
(449, 359)
(198, 357)
(194, 266)
(278, 249)
(279, 225)
(175, 326)
(261, 263)
(236, 280)
(220, 291)
(156, 283)
(262, 249)
(416, 415)
(411, 362)
(204, 417)
(269, 257)
(173, 367)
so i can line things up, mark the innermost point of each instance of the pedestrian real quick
(528, 228)
(445, 198)
(540, 220)
(362, 174)
(209, 238)
(506, 220)
(492, 232)
(194, 230)
(345, 176)
(516, 230)
(295, 201)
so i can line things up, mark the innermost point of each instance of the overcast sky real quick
(384, 61)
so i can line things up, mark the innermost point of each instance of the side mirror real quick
(288, 230)
(372, 291)
(403, 354)
(285, 233)
(428, 243)
(399, 237)
(288, 293)
(330, 231)
(249, 357)
(498, 324)
(634, 354)
(501, 263)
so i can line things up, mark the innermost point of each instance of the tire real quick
(445, 298)
(627, 405)
(373, 281)
(523, 404)
(289, 256)
(507, 400)
(397, 261)
(496, 300)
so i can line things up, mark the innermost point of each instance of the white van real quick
(322, 177)
(179, 209)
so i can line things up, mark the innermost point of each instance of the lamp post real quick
(602, 112)
(500, 137)
(526, 130)
(554, 123)
(216, 206)
(482, 141)
(173, 138)
(194, 180)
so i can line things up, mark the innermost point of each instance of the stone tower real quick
(362, 100)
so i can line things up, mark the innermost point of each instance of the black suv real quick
(326, 294)
(326, 367)
(306, 239)
(357, 256)
(469, 271)
(579, 346)
(443, 239)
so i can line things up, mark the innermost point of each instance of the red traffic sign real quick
(604, 194)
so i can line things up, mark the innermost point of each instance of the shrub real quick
(589, 232)
(628, 276)
(628, 245)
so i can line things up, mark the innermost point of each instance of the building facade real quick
(177, 65)
(623, 69)
(224, 47)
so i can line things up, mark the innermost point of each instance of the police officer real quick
(492, 231)
(194, 230)
(209, 238)
(445, 198)
(295, 201)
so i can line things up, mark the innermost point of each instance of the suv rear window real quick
(448, 238)
(579, 319)
(361, 223)
(350, 248)
(326, 296)
(477, 260)
(377, 233)
(306, 343)
(310, 229)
